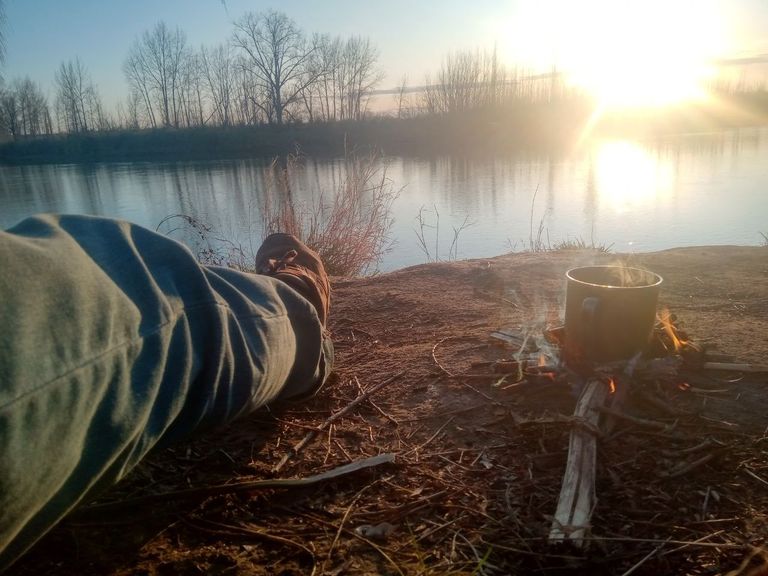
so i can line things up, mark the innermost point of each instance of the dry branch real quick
(735, 367)
(248, 486)
(577, 494)
(331, 419)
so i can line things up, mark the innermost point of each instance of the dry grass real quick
(210, 247)
(350, 230)
(349, 227)
(539, 241)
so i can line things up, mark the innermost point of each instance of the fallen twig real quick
(735, 367)
(240, 486)
(344, 518)
(636, 420)
(698, 541)
(354, 534)
(658, 403)
(482, 561)
(684, 469)
(332, 418)
(423, 444)
(250, 531)
(755, 476)
(707, 443)
(437, 363)
(728, 545)
(376, 406)
(645, 558)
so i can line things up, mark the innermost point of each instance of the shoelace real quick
(274, 265)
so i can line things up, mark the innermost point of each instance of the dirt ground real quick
(477, 464)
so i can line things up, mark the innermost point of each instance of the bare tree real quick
(466, 80)
(77, 100)
(321, 99)
(2, 35)
(129, 112)
(345, 73)
(9, 112)
(34, 114)
(132, 115)
(359, 63)
(24, 109)
(191, 90)
(139, 83)
(275, 53)
(154, 68)
(252, 104)
(218, 70)
(402, 97)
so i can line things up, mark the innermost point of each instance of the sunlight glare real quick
(627, 176)
(625, 53)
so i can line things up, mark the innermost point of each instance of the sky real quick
(412, 36)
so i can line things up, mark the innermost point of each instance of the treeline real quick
(272, 87)
(269, 72)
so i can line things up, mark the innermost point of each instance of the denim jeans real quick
(114, 340)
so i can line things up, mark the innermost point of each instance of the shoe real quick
(285, 257)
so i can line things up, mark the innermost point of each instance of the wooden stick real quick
(235, 487)
(635, 420)
(685, 468)
(251, 531)
(645, 558)
(577, 495)
(331, 419)
(755, 476)
(735, 367)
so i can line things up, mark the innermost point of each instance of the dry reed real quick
(351, 229)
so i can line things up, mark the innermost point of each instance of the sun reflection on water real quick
(628, 177)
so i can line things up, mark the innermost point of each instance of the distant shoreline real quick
(539, 127)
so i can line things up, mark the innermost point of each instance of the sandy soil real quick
(478, 467)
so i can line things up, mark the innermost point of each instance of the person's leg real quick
(114, 340)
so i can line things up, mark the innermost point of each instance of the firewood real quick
(735, 367)
(577, 494)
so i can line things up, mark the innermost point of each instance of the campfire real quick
(607, 357)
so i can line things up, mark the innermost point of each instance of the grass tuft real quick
(538, 238)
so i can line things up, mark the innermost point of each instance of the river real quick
(627, 195)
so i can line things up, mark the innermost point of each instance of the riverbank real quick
(477, 467)
(415, 136)
(542, 127)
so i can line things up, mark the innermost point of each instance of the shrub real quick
(351, 229)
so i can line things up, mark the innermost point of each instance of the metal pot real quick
(610, 312)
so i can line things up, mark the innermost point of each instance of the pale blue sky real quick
(412, 35)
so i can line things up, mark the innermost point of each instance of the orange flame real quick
(666, 321)
(611, 385)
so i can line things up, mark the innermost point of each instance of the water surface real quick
(633, 196)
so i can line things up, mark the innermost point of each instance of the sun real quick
(625, 53)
